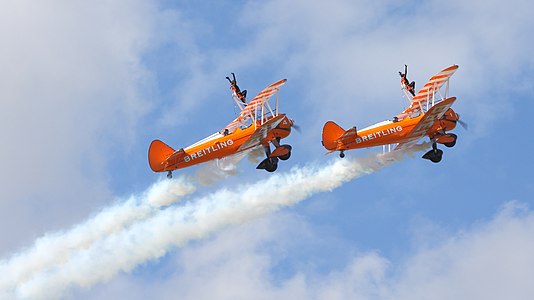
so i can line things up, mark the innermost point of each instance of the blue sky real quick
(86, 87)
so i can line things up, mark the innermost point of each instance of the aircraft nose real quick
(297, 127)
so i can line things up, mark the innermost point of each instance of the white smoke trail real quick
(56, 249)
(166, 192)
(211, 172)
(153, 237)
(256, 155)
(216, 170)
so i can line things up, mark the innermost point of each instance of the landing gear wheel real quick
(272, 165)
(451, 144)
(434, 155)
(438, 154)
(169, 174)
(271, 168)
(341, 154)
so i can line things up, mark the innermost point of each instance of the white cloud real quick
(491, 260)
(73, 88)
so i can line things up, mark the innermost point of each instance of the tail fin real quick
(157, 154)
(331, 134)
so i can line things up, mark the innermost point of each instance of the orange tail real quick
(331, 134)
(157, 154)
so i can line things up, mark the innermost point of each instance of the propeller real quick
(464, 124)
(297, 127)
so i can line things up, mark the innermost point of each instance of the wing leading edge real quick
(420, 130)
(261, 133)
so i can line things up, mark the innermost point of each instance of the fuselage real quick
(389, 132)
(219, 145)
(383, 133)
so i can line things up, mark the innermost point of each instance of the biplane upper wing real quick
(261, 133)
(421, 128)
(261, 98)
(421, 99)
(249, 111)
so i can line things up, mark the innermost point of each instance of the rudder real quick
(331, 134)
(158, 152)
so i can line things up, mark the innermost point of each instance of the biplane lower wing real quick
(430, 117)
(261, 132)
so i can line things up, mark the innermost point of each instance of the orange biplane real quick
(257, 124)
(429, 114)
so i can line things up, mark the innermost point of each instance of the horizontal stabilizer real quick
(348, 136)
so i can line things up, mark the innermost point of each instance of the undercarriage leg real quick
(270, 164)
